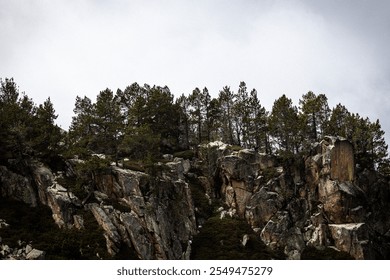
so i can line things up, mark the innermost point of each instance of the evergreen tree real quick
(26, 130)
(47, 134)
(140, 143)
(197, 113)
(241, 115)
(215, 120)
(17, 113)
(109, 123)
(184, 126)
(161, 115)
(367, 138)
(83, 130)
(284, 126)
(379, 148)
(368, 141)
(339, 123)
(132, 102)
(226, 100)
(258, 131)
(315, 114)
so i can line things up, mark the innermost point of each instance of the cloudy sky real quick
(65, 48)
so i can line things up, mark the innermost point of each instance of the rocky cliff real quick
(314, 202)
(151, 216)
(320, 202)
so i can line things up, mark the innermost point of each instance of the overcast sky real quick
(67, 48)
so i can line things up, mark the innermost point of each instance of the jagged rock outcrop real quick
(316, 202)
(353, 238)
(16, 186)
(160, 221)
(319, 201)
(151, 215)
(61, 201)
(39, 188)
(21, 253)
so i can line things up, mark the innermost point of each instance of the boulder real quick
(35, 254)
(28, 249)
(352, 238)
(280, 234)
(261, 207)
(343, 201)
(179, 167)
(17, 187)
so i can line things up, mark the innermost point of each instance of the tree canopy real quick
(26, 130)
(144, 122)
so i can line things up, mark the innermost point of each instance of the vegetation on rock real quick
(139, 158)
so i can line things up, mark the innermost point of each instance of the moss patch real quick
(311, 253)
(188, 154)
(221, 240)
(205, 210)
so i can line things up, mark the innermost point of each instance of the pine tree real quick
(161, 115)
(284, 126)
(315, 114)
(226, 100)
(109, 123)
(379, 148)
(132, 102)
(241, 115)
(140, 143)
(367, 138)
(339, 122)
(83, 130)
(197, 113)
(48, 135)
(258, 131)
(184, 127)
(215, 120)
(17, 112)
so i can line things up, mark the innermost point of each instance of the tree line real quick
(144, 122)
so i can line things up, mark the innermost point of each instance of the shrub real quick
(188, 154)
(133, 165)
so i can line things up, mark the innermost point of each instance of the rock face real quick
(160, 220)
(39, 188)
(341, 159)
(353, 238)
(18, 187)
(152, 216)
(317, 202)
